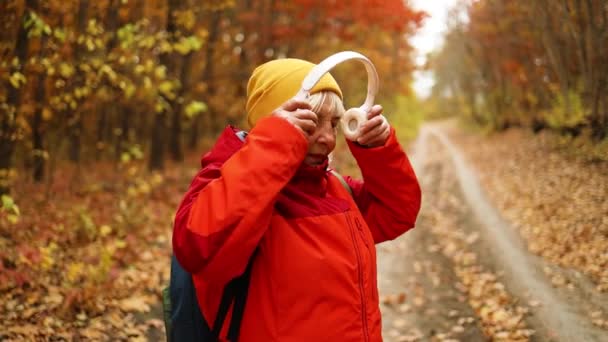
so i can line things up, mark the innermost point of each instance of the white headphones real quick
(354, 117)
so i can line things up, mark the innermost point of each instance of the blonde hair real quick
(317, 100)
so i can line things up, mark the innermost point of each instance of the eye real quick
(334, 123)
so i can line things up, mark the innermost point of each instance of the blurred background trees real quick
(539, 64)
(120, 80)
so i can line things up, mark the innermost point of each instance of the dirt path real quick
(464, 271)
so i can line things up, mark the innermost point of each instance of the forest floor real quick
(90, 253)
(511, 244)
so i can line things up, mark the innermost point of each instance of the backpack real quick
(184, 321)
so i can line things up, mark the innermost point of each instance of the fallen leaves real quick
(599, 319)
(394, 299)
(136, 304)
(411, 336)
(90, 263)
(558, 201)
(500, 316)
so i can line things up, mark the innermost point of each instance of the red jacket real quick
(314, 275)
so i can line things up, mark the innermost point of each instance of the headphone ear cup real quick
(352, 121)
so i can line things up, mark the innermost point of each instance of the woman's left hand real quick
(376, 130)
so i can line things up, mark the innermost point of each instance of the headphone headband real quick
(317, 72)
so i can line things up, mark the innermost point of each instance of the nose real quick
(326, 134)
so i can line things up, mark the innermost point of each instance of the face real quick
(323, 140)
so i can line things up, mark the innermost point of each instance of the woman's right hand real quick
(299, 114)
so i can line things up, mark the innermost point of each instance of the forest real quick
(120, 80)
(107, 106)
(538, 64)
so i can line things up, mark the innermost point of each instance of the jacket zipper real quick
(362, 233)
(360, 272)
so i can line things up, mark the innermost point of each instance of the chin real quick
(314, 161)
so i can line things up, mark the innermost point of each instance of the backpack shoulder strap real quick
(240, 298)
(235, 294)
(343, 181)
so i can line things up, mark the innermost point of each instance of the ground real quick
(466, 273)
(510, 245)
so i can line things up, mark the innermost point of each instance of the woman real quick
(313, 275)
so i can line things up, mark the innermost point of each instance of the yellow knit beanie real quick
(275, 82)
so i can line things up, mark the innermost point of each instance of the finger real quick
(371, 124)
(370, 136)
(377, 141)
(304, 114)
(294, 104)
(375, 111)
(308, 126)
(377, 135)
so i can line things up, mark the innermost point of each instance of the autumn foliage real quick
(94, 95)
(117, 79)
(539, 64)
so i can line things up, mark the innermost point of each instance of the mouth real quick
(316, 158)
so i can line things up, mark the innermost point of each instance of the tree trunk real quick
(75, 123)
(39, 153)
(553, 49)
(214, 122)
(195, 132)
(157, 149)
(112, 23)
(177, 153)
(102, 123)
(37, 133)
(123, 139)
(8, 118)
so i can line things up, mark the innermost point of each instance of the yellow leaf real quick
(194, 108)
(105, 230)
(47, 114)
(90, 44)
(125, 157)
(160, 72)
(138, 304)
(66, 70)
(75, 270)
(132, 191)
(17, 79)
(139, 69)
(129, 90)
(145, 188)
(157, 179)
(166, 88)
(13, 219)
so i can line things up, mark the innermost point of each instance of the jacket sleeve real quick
(389, 195)
(217, 229)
